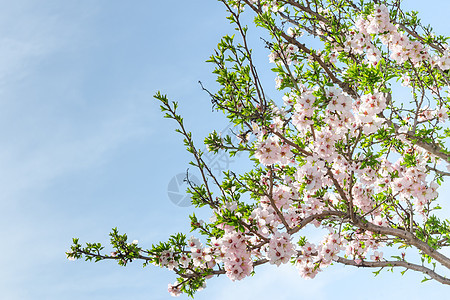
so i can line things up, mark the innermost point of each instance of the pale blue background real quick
(84, 148)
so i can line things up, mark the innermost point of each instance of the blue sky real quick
(85, 148)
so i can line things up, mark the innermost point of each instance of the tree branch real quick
(407, 265)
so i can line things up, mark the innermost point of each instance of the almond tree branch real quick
(401, 263)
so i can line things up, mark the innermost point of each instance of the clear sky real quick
(85, 148)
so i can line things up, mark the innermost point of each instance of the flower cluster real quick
(367, 109)
(281, 195)
(174, 289)
(273, 151)
(286, 55)
(280, 248)
(265, 218)
(270, 5)
(360, 43)
(401, 47)
(442, 62)
(360, 245)
(235, 256)
(312, 258)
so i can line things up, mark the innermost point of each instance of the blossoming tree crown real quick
(338, 151)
